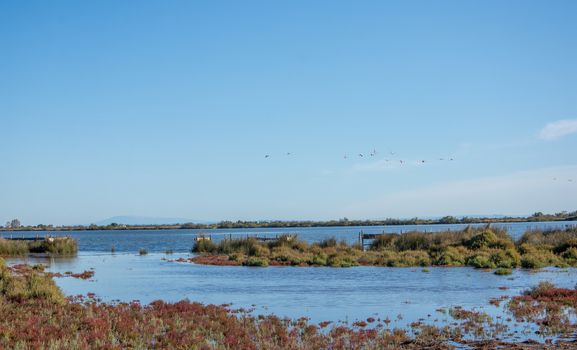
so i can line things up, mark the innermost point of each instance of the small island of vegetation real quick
(48, 245)
(487, 247)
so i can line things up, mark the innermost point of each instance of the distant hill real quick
(145, 220)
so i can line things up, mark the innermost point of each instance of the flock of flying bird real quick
(373, 153)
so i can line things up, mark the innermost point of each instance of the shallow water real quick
(320, 293)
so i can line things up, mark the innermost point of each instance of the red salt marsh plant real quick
(35, 315)
(552, 309)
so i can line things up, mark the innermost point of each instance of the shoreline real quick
(295, 224)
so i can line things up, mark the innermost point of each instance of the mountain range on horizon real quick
(146, 220)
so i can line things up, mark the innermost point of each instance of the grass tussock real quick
(485, 248)
(13, 248)
(23, 283)
(61, 246)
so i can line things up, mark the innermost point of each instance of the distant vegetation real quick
(486, 247)
(15, 224)
(49, 245)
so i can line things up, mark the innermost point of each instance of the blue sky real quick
(168, 109)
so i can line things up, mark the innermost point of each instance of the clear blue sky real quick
(168, 108)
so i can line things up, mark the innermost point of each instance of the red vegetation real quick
(33, 315)
(82, 275)
(218, 260)
(553, 309)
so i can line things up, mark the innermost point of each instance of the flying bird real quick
(360, 155)
(266, 156)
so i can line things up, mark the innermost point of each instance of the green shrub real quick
(237, 257)
(60, 246)
(204, 246)
(570, 256)
(413, 241)
(387, 258)
(481, 260)
(286, 254)
(258, 251)
(484, 239)
(506, 258)
(503, 271)
(51, 245)
(414, 258)
(13, 248)
(255, 261)
(319, 259)
(329, 242)
(532, 261)
(34, 284)
(384, 241)
(337, 260)
(290, 241)
(451, 256)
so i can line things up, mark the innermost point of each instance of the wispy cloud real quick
(547, 189)
(558, 129)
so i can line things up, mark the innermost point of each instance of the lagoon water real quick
(321, 293)
(181, 240)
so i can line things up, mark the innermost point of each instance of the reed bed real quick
(60, 246)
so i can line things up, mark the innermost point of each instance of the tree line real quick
(15, 224)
